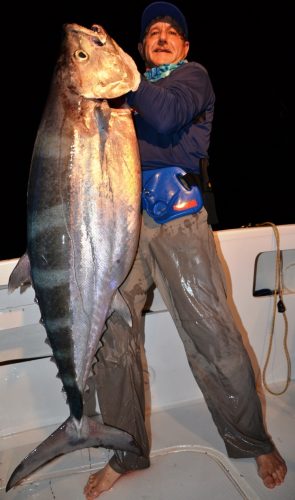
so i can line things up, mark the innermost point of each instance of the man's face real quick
(162, 44)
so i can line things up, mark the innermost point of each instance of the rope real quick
(278, 292)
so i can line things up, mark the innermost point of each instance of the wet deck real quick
(188, 461)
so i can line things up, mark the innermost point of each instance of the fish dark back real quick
(83, 202)
(49, 248)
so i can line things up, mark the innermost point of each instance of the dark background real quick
(248, 50)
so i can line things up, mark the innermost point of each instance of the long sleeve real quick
(166, 117)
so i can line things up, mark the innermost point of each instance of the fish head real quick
(97, 68)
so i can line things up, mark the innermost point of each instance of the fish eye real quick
(81, 55)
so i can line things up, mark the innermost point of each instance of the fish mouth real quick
(96, 32)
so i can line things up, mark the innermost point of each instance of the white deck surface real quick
(188, 461)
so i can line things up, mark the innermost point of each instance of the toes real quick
(282, 471)
(91, 484)
(91, 479)
(272, 469)
(90, 493)
(269, 481)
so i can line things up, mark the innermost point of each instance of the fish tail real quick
(71, 436)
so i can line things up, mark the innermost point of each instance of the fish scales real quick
(83, 221)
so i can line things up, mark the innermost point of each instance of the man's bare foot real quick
(101, 481)
(271, 468)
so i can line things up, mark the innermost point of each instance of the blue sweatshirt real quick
(173, 118)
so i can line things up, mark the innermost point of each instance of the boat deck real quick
(188, 461)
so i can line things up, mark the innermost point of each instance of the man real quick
(174, 106)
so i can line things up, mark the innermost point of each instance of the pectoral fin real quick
(21, 275)
(120, 306)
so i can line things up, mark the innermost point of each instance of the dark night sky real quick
(249, 53)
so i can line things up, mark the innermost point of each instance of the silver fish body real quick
(83, 224)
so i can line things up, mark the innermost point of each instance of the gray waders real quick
(180, 258)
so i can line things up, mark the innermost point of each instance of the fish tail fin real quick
(70, 436)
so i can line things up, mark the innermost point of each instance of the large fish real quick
(83, 224)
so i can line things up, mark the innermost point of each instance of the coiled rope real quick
(278, 293)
